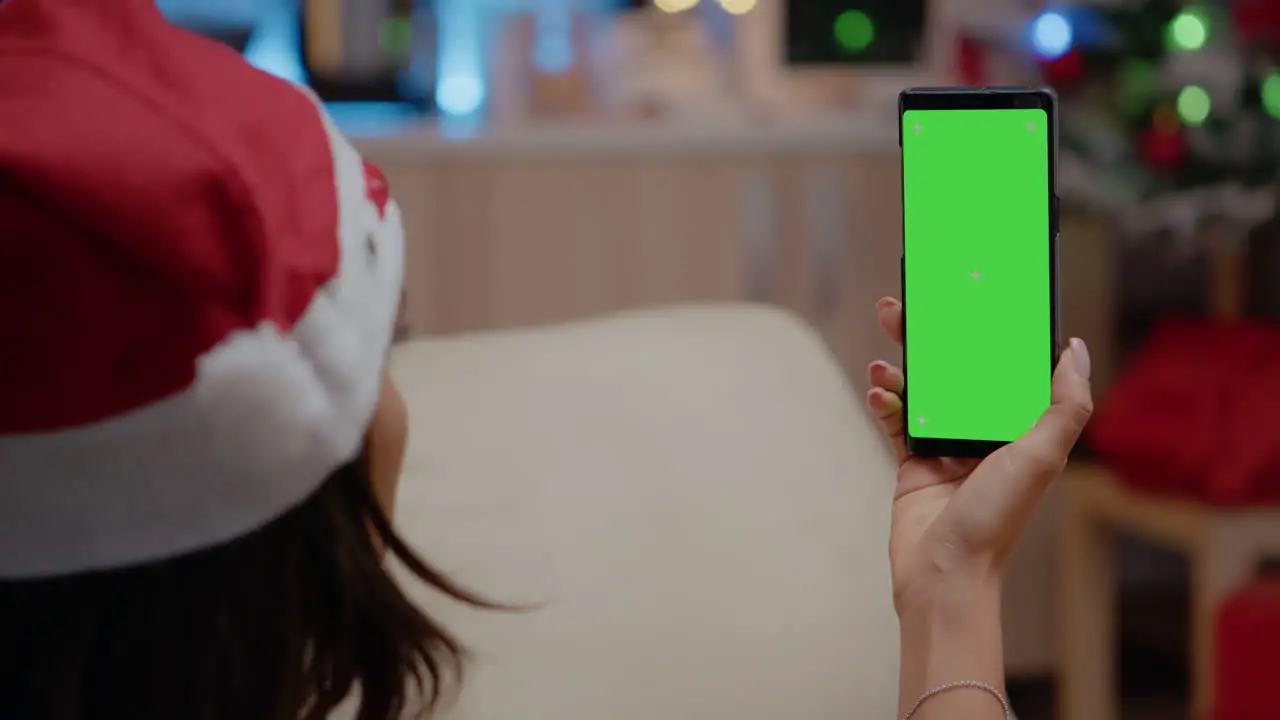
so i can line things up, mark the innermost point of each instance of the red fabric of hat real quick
(198, 283)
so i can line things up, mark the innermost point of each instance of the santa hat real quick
(198, 284)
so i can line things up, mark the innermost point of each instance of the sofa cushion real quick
(691, 498)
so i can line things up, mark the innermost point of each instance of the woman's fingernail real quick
(893, 401)
(1080, 356)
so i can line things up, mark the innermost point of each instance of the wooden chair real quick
(1223, 546)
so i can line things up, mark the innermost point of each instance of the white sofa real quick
(693, 498)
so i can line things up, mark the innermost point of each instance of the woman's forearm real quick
(954, 638)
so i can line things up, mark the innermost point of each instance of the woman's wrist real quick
(951, 632)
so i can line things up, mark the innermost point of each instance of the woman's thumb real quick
(1070, 404)
(1031, 464)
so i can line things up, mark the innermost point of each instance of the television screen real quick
(854, 32)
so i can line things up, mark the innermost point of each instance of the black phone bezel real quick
(978, 98)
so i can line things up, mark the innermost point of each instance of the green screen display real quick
(976, 249)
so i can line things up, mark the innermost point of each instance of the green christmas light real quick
(1270, 92)
(396, 36)
(1193, 105)
(854, 31)
(1138, 82)
(1188, 31)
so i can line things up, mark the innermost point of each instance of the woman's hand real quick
(955, 522)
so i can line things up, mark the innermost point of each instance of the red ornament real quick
(1163, 150)
(1257, 21)
(1162, 145)
(971, 61)
(1065, 70)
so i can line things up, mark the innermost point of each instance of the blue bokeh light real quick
(460, 94)
(273, 48)
(458, 71)
(1051, 35)
(553, 53)
(553, 50)
(460, 66)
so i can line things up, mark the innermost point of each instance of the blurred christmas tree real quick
(1157, 96)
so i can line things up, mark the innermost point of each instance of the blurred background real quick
(558, 159)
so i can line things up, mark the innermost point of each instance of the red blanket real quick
(1197, 413)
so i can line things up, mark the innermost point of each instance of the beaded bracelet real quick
(1008, 713)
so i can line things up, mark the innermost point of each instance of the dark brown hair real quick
(281, 624)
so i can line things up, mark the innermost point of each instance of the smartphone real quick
(979, 265)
